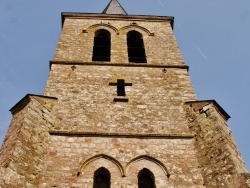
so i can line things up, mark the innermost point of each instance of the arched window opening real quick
(102, 178)
(102, 45)
(136, 50)
(146, 179)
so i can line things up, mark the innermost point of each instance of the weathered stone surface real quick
(26, 142)
(219, 158)
(68, 155)
(10, 179)
(86, 99)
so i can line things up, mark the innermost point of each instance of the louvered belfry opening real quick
(136, 50)
(146, 179)
(102, 178)
(102, 46)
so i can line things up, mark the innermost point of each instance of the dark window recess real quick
(121, 87)
(102, 45)
(146, 179)
(136, 50)
(102, 178)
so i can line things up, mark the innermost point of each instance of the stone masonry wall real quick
(68, 164)
(11, 179)
(9, 143)
(76, 45)
(218, 155)
(85, 99)
(26, 142)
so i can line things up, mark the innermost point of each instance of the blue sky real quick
(214, 38)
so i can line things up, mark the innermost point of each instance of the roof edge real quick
(115, 16)
(221, 110)
(25, 100)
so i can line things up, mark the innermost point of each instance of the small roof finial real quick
(114, 7)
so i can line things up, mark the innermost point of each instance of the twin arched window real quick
(146, 178)
(135, 44)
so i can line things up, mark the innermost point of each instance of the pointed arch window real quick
(136, 50)
(102, 45)
(146, 179)
(101, 178)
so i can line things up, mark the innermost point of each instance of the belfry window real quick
(146, 179)
(136, 50)
(102, 45)
(101, 178)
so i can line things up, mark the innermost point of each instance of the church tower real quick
(119, 111)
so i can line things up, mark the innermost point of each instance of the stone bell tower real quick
(119, 111)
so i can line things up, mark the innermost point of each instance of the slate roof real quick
(114, 7)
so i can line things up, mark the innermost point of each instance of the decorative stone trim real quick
(121, 135)
(118, 64)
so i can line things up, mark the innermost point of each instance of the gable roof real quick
(114, 7)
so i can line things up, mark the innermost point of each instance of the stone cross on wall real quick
(120, 82)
